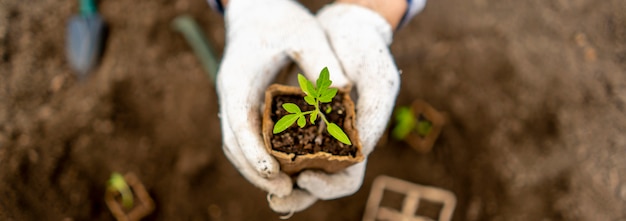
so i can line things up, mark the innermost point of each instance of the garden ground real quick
(535, 92)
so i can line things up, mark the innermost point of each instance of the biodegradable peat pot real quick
(423, 111)
(143, 204)
(298, 148)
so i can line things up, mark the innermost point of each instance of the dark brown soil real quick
(535, 91)
(309, 140)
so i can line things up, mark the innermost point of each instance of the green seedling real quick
(117, 183)
(315, 96)
(407, 122)
(423, 127)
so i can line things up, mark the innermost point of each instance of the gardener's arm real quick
(391, 10)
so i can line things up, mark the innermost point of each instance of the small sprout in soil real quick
(117, 183)
(423, 126)
(406, 122)
(315, 95)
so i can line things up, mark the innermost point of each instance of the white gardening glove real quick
(261, 36)
(360, 38)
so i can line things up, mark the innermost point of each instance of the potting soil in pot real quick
(309, 140)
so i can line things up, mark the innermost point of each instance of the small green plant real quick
(406, 122)
(117, 183)
(423, 127)
(315, 96)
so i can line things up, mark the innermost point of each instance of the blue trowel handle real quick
(88, 7)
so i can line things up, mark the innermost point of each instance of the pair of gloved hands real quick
(261, 37)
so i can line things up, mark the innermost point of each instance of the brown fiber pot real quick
(438, 120)
(144, 205)
(289, 162)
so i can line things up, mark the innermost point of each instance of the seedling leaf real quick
(313, 117)
(301, 121)
(302, 82)
(309, 100)
(324, 76)
(285, 122)
(311, 88)
(337, 133)
(405, 122)
(325, 85)
(323, 81)
(306, 86)
(291, 108)
(329, 109)
(327, 95)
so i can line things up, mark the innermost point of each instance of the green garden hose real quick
(186, 25)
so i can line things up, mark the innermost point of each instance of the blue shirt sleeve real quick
(216, 5)
(413, 8)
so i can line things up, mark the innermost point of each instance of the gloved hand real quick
(360, 38)
(261, 36)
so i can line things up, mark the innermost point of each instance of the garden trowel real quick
(85, 33)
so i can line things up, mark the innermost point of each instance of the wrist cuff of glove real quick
(413, 8)
(216, 5)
